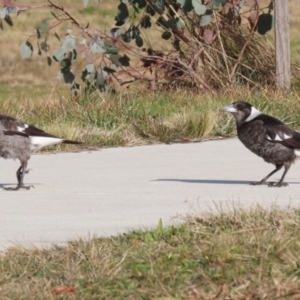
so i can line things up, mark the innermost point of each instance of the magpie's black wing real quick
(12, 126)
(278, 132)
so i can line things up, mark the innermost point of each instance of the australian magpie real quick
(19, 140)
(267, 137)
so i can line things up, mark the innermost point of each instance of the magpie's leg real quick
(263, 181)
(20, 176)
(280, 183)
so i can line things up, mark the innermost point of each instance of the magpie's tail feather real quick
(72, 142)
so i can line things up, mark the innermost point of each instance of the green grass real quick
(131, 118)
(98, 11)
(243, 254)
(240, 254)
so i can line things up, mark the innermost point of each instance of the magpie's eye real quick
(239, 106)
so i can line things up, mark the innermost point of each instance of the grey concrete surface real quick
(111, 191)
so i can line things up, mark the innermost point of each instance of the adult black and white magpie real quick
(267, 137)
(19, 140)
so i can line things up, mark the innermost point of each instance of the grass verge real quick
(132, 118)
(240, 254)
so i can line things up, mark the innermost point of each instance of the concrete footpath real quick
(111, 191)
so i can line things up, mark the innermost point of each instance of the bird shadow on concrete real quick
(212, 181)
(6, 185)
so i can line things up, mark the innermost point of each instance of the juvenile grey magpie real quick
(19, 140)
(267, 137)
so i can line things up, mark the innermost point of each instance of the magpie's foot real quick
(277, 184)
(258, 183)
(25, 187)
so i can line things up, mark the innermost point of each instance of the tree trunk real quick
(282, 44)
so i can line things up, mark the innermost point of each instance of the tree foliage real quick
(207, 43)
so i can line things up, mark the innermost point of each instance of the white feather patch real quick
(277, 138)
(254, 113)
(297, 152)
(39, 142)
(285, 136)
(21, 129)
(268, 138)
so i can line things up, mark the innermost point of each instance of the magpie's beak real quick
(229, 108)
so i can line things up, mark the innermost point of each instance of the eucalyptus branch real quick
(69, 17)
(245, 46)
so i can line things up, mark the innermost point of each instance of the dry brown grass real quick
(131, 118)
(25, 75)
(34, 71)
(238, 254)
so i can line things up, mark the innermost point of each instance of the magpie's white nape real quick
(267, 137)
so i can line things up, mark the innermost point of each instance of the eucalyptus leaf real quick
(12, 10)
(113, 66)
(206, 19)
(111, 50)
(95, 48)
(146, 22)
(217, 3)
(179, 23)
(3, 13)
(89, 73)
(127, 37)
(26, 49)
(150, 10)
(59, 55)
(60, 75)
(90, 68)
(264, 23)
(181, 2)
(109, 70)
(236, 10)
(160, 4)
(115, 59)
(68, 43)
(68, 76)
(44, 46)
(166, 35)
(139, 41)
(200, 9)
(100, 77)
(44, 26)
(116, 32)
(123, 12)
(142, 3)
(49, 61)
(8, 20)
(75, 89)
(85, 3)
(124, 60)
(74, 54)
(57, 36)
(161, 22)
(187, 6)
(133, 31)
(38, 33)
(65, 64)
